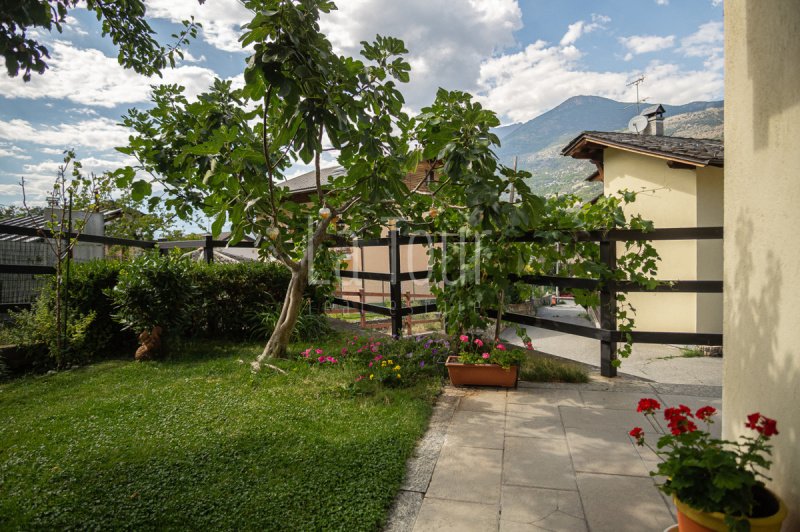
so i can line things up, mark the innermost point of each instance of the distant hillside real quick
(538, 142)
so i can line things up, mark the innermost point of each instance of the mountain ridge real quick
(537, 143)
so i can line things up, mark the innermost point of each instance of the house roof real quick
(36, 221)
(308, 181)
(594, 176)
(657, 109)
(694, 152)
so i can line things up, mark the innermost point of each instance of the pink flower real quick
(478, 342)
(370, 364)
(485, 355)
(529, 345)
(378, 357)
(359, 378)
(344, 351)
(501, 347)
(321, 360)
(318, 351)
(464, 338)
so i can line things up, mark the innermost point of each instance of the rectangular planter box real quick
(481, 374)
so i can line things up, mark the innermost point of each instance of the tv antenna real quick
(638, 81)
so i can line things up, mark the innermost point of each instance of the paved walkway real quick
(540, 457)
(660, 363)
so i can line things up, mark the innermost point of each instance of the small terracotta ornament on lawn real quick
(151, 344)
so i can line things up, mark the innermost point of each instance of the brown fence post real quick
(362, 299)
(608, 310)
(208, 249)
(395, 284)
(408, 318)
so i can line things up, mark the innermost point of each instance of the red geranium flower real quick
(638, 434)
(648, 406)
(752, 420)
(705, 413)
(770, 427)
(762, 424)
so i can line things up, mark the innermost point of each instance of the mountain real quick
(537, 143)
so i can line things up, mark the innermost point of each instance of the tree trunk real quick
(292, 303)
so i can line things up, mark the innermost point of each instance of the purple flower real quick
(422, 363)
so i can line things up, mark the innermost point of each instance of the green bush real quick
(109, 302)
(92, 333)
(88, 291)
(155, 290)
(35, 331)
(232, 299)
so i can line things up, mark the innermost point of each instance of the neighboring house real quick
(679, 182)
(36, 251)
(372, 259)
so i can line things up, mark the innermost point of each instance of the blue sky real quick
(519, 57)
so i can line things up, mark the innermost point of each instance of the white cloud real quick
(447, 39)
(97, 133)
(72, 24)
(642, 44)
(523, 85)
(581, 27)
(706, 42)
(221, 19)
(716, 3)
(89, 165)
(14, 152)
(662, 2)
(87, 76)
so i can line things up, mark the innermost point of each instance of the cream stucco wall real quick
(673, 198)
(762, 247)
(376, 259)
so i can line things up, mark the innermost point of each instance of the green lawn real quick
(198, 442)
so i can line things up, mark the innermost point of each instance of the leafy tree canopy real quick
(124, 22)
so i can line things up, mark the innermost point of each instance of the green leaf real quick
(140, 189)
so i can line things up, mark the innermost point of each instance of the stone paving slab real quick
(540, 457)
(468, 474)
(605, 451)
(446, 516)
(533, 421)
(615, 503)
(476, 429)
(541, 509)
(544, 397)
(538, 462)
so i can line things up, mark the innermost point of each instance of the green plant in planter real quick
(478, 351)
(709, 474)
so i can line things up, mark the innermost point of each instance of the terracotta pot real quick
(691, 520)
(480, 374)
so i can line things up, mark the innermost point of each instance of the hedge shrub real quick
(229, 294)
(188, 299)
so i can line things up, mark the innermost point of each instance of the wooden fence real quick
(608, 334)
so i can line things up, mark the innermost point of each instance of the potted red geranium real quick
(482, 364)
(716, 484)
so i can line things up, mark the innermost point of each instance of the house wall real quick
(710, 194)
(762, 247)
(667, 197)
(376, 259)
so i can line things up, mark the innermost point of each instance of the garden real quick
(194, 438)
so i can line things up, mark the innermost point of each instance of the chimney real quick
(655, 120)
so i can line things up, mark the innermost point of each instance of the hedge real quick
(224, 300)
